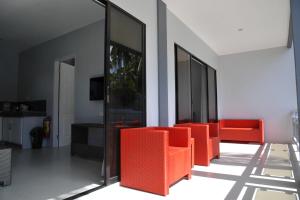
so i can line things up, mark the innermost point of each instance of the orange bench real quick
(242, 130)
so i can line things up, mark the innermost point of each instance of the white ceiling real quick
(31, 22)
(265, 23)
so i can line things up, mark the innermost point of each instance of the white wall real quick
(179, 33)
(36, 71)
(259, 84)
(146, 11)
(8, 71)
(87, 45)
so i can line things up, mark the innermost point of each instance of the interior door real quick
(125, 104)
(66, 102)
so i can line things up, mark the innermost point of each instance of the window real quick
(196, 91)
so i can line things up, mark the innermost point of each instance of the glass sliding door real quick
(125, 104)
(212, 95)
(183, 86)
(196, 92)
(199, 91)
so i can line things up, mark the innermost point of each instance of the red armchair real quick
(207, 142)
(242, 130)
(152, 159)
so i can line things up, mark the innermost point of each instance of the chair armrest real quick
(262, 131)
(221, 123)
(261, 124)
(213, 129)
(144, 159)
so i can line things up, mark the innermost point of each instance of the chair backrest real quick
(213, 129)
(178, 136)
(236, 123)
(144, 157)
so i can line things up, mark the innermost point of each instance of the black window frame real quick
(107, 150)
(176, 47)
(107, 4)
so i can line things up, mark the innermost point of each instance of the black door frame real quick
(176, 47)
(107, 4)
(107, 179)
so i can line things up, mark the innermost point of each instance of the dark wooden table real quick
(81, 143)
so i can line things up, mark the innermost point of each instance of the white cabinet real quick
(12, 130)
(16, 130)
(16, 136)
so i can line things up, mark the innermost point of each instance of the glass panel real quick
(212, 95)
(199, 91)
(125, 82)
(184, 113)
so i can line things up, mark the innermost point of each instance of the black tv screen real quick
(97, 88)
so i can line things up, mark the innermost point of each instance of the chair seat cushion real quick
(177, 159)
(239, 129)
(175, 150)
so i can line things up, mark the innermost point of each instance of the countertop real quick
(22, 114)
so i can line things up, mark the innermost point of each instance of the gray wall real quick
(8, 71)
(36, 69)
(260, 84)
(162, 63)
(179, 33)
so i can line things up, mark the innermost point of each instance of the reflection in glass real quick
(125, 83)
(199, 91)
(196, 92)
(184, 98)
(212, 95)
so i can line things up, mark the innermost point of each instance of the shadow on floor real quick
(272, 172)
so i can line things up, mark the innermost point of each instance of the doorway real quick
(45, 80)
(66, 97)
(125, 82)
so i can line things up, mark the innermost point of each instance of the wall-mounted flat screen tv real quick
(97, 88)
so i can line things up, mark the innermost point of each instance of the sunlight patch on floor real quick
(185, 189)
(241, 149)
(222, 169)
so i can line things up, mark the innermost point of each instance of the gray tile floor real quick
(49, 174)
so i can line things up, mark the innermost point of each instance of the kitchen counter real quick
(16, 127)
(22, 114)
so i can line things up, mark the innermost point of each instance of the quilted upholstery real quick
(242, 130)
(154, 158)
(207, 142)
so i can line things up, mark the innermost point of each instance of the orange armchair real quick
(207, 141)
(152, 159)
(242, 130)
